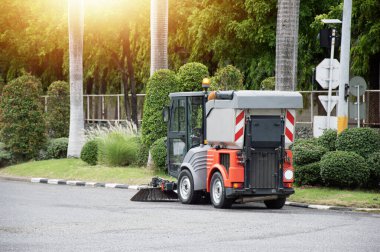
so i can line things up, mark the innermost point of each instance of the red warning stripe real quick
(289, 134)
(239, 117)
(239, 134)
(290, 117)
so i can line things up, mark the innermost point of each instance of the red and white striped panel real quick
(239, 126)
(289, 126)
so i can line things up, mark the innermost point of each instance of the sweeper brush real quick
(158, 190)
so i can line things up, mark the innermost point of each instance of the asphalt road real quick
(40, 217)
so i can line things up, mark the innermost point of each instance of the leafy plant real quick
(160, 85)
(227, 78)
(374, 167)
(190, 76)
(158, 151)
(118, 149)
(328, 139)
(309, 174)
(344, 169)
(363, 141)
(21, 120)
(5, 156)
(89, 153)
(58, 113)
(268, 83)
(307, 151)
(57, 148)
(142, 154)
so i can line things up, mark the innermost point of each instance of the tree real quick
(76, 23)
(287, 44)
(159, 35)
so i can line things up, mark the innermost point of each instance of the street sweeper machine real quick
(228, 146)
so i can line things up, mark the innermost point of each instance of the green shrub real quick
(307, 151)
(227, 78)
(118, 149)
(374, 168)
(5, 156)
(309, 174)
(268, 83)
(328, 139)
(21, 120)
(344, 169)
(190, 76)
(160, 84)
(57, 148)
(142, 154)
(89, 152)
(363, 141)
(158, 151)
(58, 113)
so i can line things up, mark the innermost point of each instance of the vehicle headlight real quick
(288, 174)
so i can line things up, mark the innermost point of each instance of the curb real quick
(138, 187)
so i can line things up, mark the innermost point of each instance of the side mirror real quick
(165, 114)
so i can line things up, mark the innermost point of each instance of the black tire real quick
(185, 190)
(275, 204)
(218, 192)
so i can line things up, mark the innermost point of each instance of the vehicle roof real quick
(182, 94)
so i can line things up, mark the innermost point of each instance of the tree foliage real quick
(227, 78)
(190, 76)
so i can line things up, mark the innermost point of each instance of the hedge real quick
(328, 139)
(190, 76)
(21, 117)
(57, 148)
(307, 151)
(363, 141)
(344, 169)
(160, 84)
(309, 174)
(58, 113)
(374, 168)
(89, 152)
(227, 78)
(158, 151)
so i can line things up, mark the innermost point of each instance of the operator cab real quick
(186, 128)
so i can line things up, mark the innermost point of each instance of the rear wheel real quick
(218, 192)
(186, 193)
(275, 204)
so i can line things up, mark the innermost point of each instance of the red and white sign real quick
(239, 126)
(289, 126)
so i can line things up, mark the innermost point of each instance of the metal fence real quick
(110, 108)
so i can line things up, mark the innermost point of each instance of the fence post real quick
(118, 107)
(88, 108)
(312, 108)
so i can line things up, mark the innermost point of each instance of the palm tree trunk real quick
(158, 35)
(76, 134)
(287, 44)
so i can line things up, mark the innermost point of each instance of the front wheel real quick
(186, 193)
(275, 204)
(218, 192)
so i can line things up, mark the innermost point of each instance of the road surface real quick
(41, 217)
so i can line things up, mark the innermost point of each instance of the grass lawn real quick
(76, 169)
(337, 197)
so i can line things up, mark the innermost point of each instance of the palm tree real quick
(287, 44)
(76, 23)
(158, 35)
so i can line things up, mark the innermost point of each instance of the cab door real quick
(177, 139)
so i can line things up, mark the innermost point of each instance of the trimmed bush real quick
(158, 151)
(160, 84)
(307, 151)
(227, 78)
(309, 174)
(21, 117)
(190, 76)
(363, 141)
(374, 168)
(328, 139)
(5, 156)
(268, 83)
(118, 149)
(57, 148)
(344, 169)
(58, 113)
(89, 152)
(142, 154)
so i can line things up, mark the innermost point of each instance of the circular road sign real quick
(355, 83)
